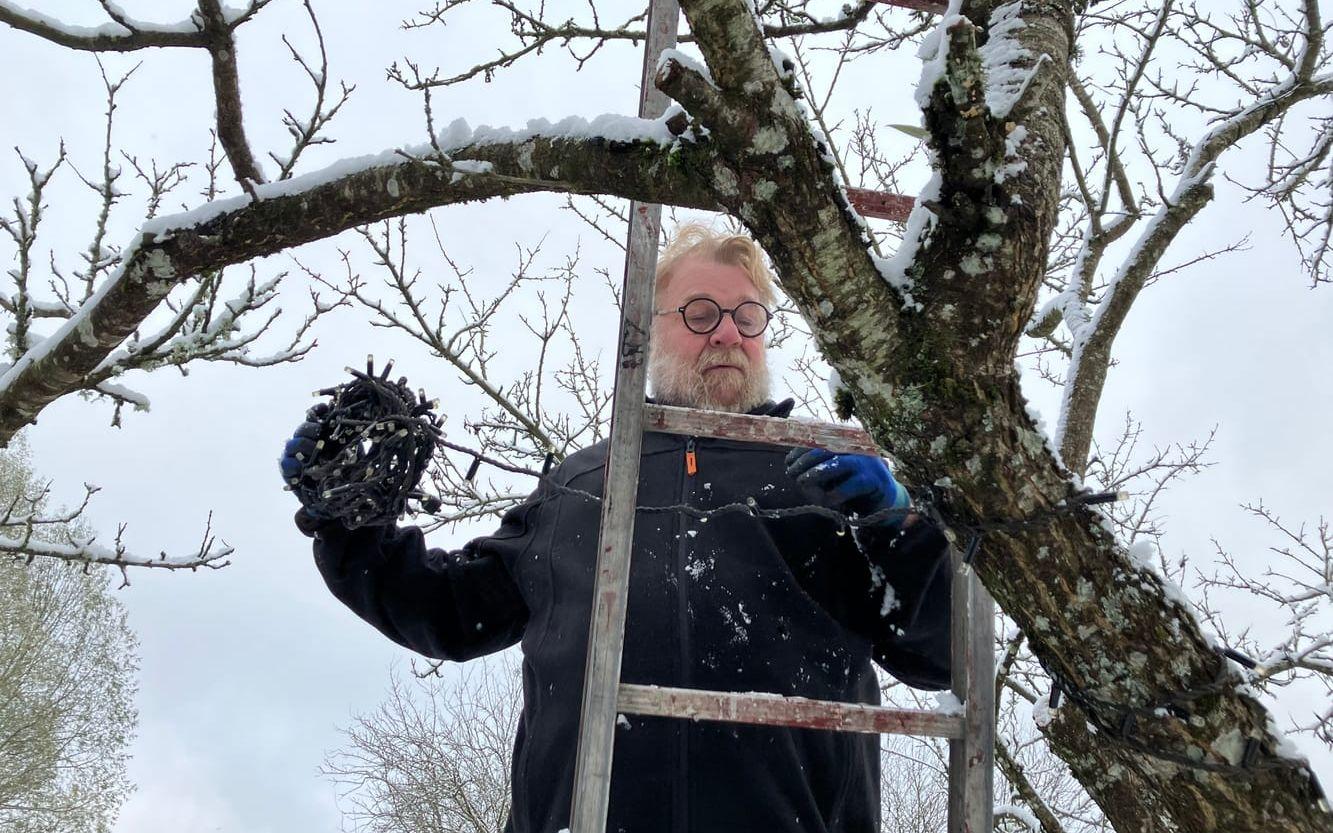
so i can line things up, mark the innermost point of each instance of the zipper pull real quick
(691, 461)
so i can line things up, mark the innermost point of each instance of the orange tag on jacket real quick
(691, 463)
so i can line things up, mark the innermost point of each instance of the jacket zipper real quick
(681, 816)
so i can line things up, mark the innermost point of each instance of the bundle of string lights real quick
(375, 441)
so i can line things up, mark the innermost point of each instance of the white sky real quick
(247, 672)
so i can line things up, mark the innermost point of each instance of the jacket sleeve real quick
(908, 609)
(446, 605)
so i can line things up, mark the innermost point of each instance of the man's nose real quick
(726, 334)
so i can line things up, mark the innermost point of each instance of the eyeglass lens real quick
(703, 315)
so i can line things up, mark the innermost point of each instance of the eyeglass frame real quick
(721, 313)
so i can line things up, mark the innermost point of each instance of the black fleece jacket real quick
(733, 603)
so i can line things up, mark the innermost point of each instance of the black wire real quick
(1123, 723)
(376, 439)
(1124, 727)
(749, 507)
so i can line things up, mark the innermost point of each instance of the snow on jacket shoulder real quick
(731, 602)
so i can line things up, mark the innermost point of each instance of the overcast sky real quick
(247, 672)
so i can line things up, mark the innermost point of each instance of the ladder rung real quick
(776, 710)
(695, 423)
(932, 6)
(881, 204)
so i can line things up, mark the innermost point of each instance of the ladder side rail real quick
(972, 757)
(592, 774)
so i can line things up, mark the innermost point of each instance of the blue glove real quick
(855, 483)
(300, 449)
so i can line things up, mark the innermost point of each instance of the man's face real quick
(722, 370)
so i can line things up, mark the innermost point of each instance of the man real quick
(791, 605)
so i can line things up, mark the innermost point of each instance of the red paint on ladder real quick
(932, 6)
(881, 204)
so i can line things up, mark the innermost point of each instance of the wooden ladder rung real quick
(696, 423)
(882, 205)
(779, 710)
(932, 6)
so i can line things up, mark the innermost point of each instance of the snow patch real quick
(946, 702)
(933, 53)
(687, 61)
(1005, 81)
(113, 29)
(920, 223)
(1042, 713)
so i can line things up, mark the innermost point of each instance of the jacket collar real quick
(774, 409)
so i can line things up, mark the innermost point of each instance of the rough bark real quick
(933, 379)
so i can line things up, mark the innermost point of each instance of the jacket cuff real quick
(311, 526)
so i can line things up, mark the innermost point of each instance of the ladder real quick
(970, 733)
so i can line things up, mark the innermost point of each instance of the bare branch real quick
(173, 249)
(27, 532)
(117, 37)
(306, 132)
(534, 33)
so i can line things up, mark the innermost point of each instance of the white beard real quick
(676, 382)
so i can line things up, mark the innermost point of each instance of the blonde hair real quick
(698, 240)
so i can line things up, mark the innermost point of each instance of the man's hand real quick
(300, 449)
(855, 483)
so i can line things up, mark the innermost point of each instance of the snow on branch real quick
(29, 532)
(120, 34)
(617, 155)
(211, 28)
(1275, 62)
(202, 326)
(1295, 590)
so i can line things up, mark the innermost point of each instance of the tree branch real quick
(172, 249)
(110, 38)
(221, 46)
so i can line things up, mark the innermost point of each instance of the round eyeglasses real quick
(704, 315)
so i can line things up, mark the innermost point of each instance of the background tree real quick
(67, 682)
(434, 757)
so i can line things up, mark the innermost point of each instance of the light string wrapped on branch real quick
(1253, 758)
(1124, 729)
(376, 439)
(750, 506)
(976, 531)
